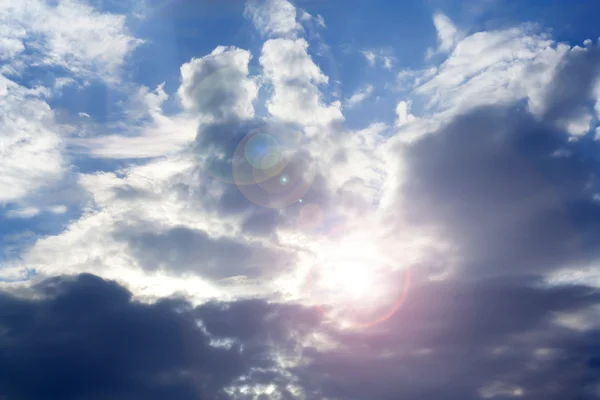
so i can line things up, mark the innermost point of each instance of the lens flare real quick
(269, 171)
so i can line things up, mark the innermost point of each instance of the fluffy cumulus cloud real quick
(295, 79)
(230, 233)
(218, 84)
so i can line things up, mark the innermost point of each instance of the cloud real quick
(214, 87)
(448, 35)
(359, 96)
(575, 83)
(403, 114)
(149, 131)
(493, 67)
(460, 340)
(232, 350)
(36, 38)
(476, 194)
(494, 181)
(273, 18)
(29, 132)
(184, 250)
(217, 85)
(120, 226)
(372, 56)
(295, 78)
(24, 213)
(41, 27)
(92, 328)
(526, 217)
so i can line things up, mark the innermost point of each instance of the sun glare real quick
(355, 282)
(348, 268)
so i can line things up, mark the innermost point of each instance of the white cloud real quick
(274, 18)
(447, 33)
(358, 177)
(494, 67)
(382, 56)
(217, 85)
(295, 78)
(78, 44)
(68, 34)
(501, 67)
(403, 114)
(31, 143)
(500, 389)
(410, 79)
(60, 209)
(149, 132)
(578, 125)
(89, 244)
(141, 209)
(305, 16)
(581, 320)
(23, 213)
(359, 96)
(370, 56)
(388, 62)
(321, 20)
(10, 47)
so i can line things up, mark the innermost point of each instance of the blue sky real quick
(319, 199)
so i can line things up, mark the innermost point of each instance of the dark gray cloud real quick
(453, 340)
(571, 93)
(263, 222)
(512, 192)
(182, 250)
(85, 338)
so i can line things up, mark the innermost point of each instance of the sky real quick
(316, 200)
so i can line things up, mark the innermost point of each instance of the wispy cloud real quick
(359, 96)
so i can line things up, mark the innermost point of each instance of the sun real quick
(347, 268)
(355, 281)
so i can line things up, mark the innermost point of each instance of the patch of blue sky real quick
(569, 21)
(397, 42)
(104, 104)
(18, 234)
(46, 212)
(177, 31)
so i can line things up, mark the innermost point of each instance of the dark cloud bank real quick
(85, 338)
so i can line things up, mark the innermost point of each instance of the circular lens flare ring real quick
(270, 172)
